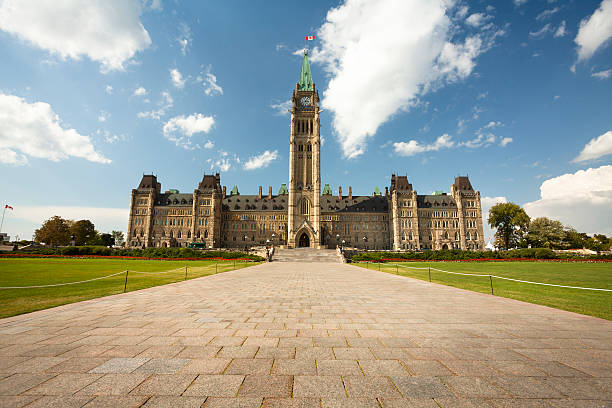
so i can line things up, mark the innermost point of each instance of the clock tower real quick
(304, 213)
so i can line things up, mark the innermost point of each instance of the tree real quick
(511, 222)
(54, 231)
(84, 232)
(545, 233)
(118, 236)
(107, 239)
(575, 239)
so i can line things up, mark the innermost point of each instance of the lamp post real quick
(273, 236)
(365, 242)
(337, 238)
(246, 248)
(342, 246)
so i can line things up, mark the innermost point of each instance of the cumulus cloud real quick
(413, 147)
(561, 31)
(581, 200)
(210, 85)
(505, 141)
(108, 89)
(261, 161)
(597, 147)
(35, 130)
(177, 78)
(140, 91)
(594, 31)
(164, 104)
(282, 108)
(365, 47)
(482, 139)
(180, 129)
(108, 32)
(602, 74)
(477, 19)
(103, 116)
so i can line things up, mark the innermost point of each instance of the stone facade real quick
(300, 214)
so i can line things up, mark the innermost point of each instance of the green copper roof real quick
(437, 192)
(235, 191)
(305, 83)
(327, 190)
(377, 191)
(283, 189)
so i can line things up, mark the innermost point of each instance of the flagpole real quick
(2, 223)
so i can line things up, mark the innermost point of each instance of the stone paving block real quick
(261, 342)
(314, 353)
(516, 368)
(308, 386)
(164, 384)
(50, 350)
(420, 387)
(60, 402)
(16, 401)
(408, 403)
(115, 401)
(298, 342)
(86, 351)
(573, 403)
(450, 402)
(205, 366)
(162, 365)
(35, 365)
(596, 369)
(338, 367)
(349, 403)
(215, 386)
(161, 351)
(353, 353)
(426, 368)
(557, 369)
(521, 403)
(291, 403)
(330, 342)
(580, 388)
(370, 387)
(175, 402)
(125, 340)
(124, 351)
(382, 367)
(7, 362)
(276, 353)
(18, 383)
(294, 367)
(474, 387)
(119, 365)
(467, 368)
(238, 352)
(390, 353)
(276, 386)
(526, 387)
(227, 341)
(363, 342)
(215, 402)
(114, 384)
(64, 384)
(250, 366)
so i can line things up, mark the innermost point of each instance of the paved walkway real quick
(305, 335)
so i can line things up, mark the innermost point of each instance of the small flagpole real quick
(2, 223)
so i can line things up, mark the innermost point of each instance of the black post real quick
(234, 264)
(216, 263)
(396, 272)
(429, 270)
(125, 284)
(379, 266)
(185, 272)
(491, 280)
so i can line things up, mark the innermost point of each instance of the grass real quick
(32, 271)
(590, 275)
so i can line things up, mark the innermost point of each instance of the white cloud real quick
(282, 108)
(541, 32)
(413, 147)
(486, 203)
(108, 89)
(561, 31)
(103, 116)
(154, 4)
(35, 130)
(598, 147)
(209, 145)
(177, 78)
(477, 19)
(180, 129)
(261, 161)
(547, 13)
(110, 138)
(462, 12)
(602, 74)
(184, 38)
(481, 140)
(140, 91)
(493, 124)
(109, 32)
(581, 200)
(210, 85)
(369, 43)
(505, 141)
(165, 103)
(594, 31)
(520, 2)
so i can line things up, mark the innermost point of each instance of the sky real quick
(514, 94)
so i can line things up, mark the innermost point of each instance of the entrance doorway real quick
(444, 246)
(304, 240)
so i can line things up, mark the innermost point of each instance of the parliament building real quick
(303, 213)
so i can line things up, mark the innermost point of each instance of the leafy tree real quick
(119, 238)
(574, 239)
(545, 233)
(511, 222)
(84, 232)
(54, 231)
(107, 239)
(598, 243)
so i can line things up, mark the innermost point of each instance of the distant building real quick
(299, 215)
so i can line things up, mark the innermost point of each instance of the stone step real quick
(306, 255)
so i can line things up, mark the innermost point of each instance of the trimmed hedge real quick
(459, 255)
(178, 253)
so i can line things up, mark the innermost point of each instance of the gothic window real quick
(206, 234)
(456, 236)
(178, 235)
(309, 148)
(188, 234)
(446, 235)
(305, 207)
(475, 236)
(171, 234)
(198, 235)
(467, 236)
(300, 148)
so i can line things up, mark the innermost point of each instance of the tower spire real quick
(305, 83)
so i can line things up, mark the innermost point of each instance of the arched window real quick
(171, 234)
(467, 235)
(309, 147)
(188, 234)
(475, 236)
(198, 234)
(456, 236)
(300, 148)
(305, 206)
(178, 235)
(206, 234)
(446, 235)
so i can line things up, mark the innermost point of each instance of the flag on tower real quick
(310, 37)
(8, 206)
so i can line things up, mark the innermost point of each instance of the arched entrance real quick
(444, 246)
(304, 240)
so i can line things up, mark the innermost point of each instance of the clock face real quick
(305, 101)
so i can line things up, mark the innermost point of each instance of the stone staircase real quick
(306, 255)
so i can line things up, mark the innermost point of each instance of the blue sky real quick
(516, 94)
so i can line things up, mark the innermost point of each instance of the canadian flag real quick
(8, 206)
(310, 37)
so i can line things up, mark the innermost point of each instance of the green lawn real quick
(591, 275)
(32, 271)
